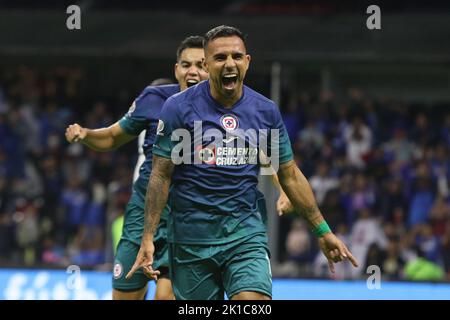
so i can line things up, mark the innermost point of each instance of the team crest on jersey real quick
(229, 122)
(160, 128)
(207, 155)
(132, 108)
(118, 270)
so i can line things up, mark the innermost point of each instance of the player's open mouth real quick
(191, 82)
(229, 80)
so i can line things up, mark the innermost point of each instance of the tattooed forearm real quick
(157, 193)
(154, 203)
(312, 214)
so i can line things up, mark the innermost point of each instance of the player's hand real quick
(284, 205)
(144, 260)
(335, 250)
(75, 133)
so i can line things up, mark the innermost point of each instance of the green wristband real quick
(321, 229)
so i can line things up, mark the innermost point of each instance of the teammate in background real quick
(143, 115)
(218, 239)
(141, 137)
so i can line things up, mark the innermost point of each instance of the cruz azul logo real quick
(117, 270)
(229, 122)
(207, 154)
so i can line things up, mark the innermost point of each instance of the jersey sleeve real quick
(169, 121)
(285, 153)
(138, 117)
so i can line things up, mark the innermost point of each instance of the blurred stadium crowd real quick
(380, 169)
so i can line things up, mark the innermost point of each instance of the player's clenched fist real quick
(75, 133)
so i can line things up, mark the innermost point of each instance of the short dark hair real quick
(161, 82)
(189, 42)
(220, 32)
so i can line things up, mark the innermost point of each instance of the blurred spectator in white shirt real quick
(322, 182)
(366, 231)
(358, 137)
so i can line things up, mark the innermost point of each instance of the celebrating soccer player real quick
(208, 148)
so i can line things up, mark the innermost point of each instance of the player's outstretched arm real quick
(299, 191)
(103, 139)
(155, 201)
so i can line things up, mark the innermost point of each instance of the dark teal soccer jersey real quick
(143, 115)
(214, 200)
